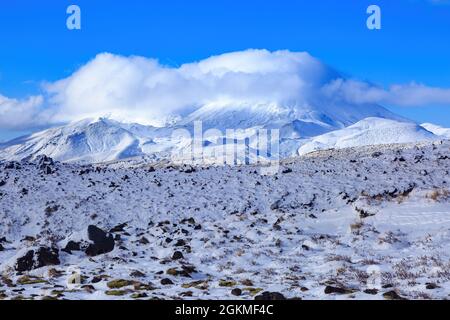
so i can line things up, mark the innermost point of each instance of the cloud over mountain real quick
(143, 90)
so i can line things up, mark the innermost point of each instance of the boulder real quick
(42, 257)
(72, 246)
(11, 165)
(337, 290)
(270, 296)
(101, 242)
(392, 295)
(166, 282)
(177, 255)
(44, 161)
(236, 292)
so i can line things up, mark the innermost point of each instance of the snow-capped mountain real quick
(437, 130)
(306, 120)
(103, 139)
(89, 140)
(370, 131)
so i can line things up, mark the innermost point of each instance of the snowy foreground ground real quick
(362, 223)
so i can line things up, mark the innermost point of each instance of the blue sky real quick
(413, 45)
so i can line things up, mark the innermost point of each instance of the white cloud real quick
(142, 90)
(21, 114)
(404, 95)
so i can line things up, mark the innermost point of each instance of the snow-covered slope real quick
(90, 140)
(360, 223)
(370, 131)
(102, 139)
(437, 130)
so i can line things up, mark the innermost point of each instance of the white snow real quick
(89, 140)
(437, 130)
(370, 131)
(359, 218)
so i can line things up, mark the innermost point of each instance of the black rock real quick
(1, 247)
(45, 164)
(180, 243)
(275, 206)
(166, 282)
(143, 241)
(96, 279)
(270, 296)
(287, 170)
(26, 262)
(102, 242)
(177, 255)
(188, 221)
(118, 228)
(47, 170)
(43, 160)
(2, 183)
(137, 274)
(429, 286)
(336, 290)
(392, 295)
(29, 238)
(72, 246)
(376, 154)
(12, 165)
(47, 257)
(236, 292)
(371, 291)
(41, 258)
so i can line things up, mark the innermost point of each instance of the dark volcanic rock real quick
(429, 286)
(371, 291)
(236, 292)
(166, 282)
(180, 243)
(72, 246)
(41, 258)
(270, 296)
(45, 164)
(12, 165)
(47, 170)
(47, 257)
(26, 262)
(392, 295)
(43, 161)
(177, 255)
(336, 290)
(102, 242)
(118, 228)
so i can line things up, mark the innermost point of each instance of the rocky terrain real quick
(360, 223)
